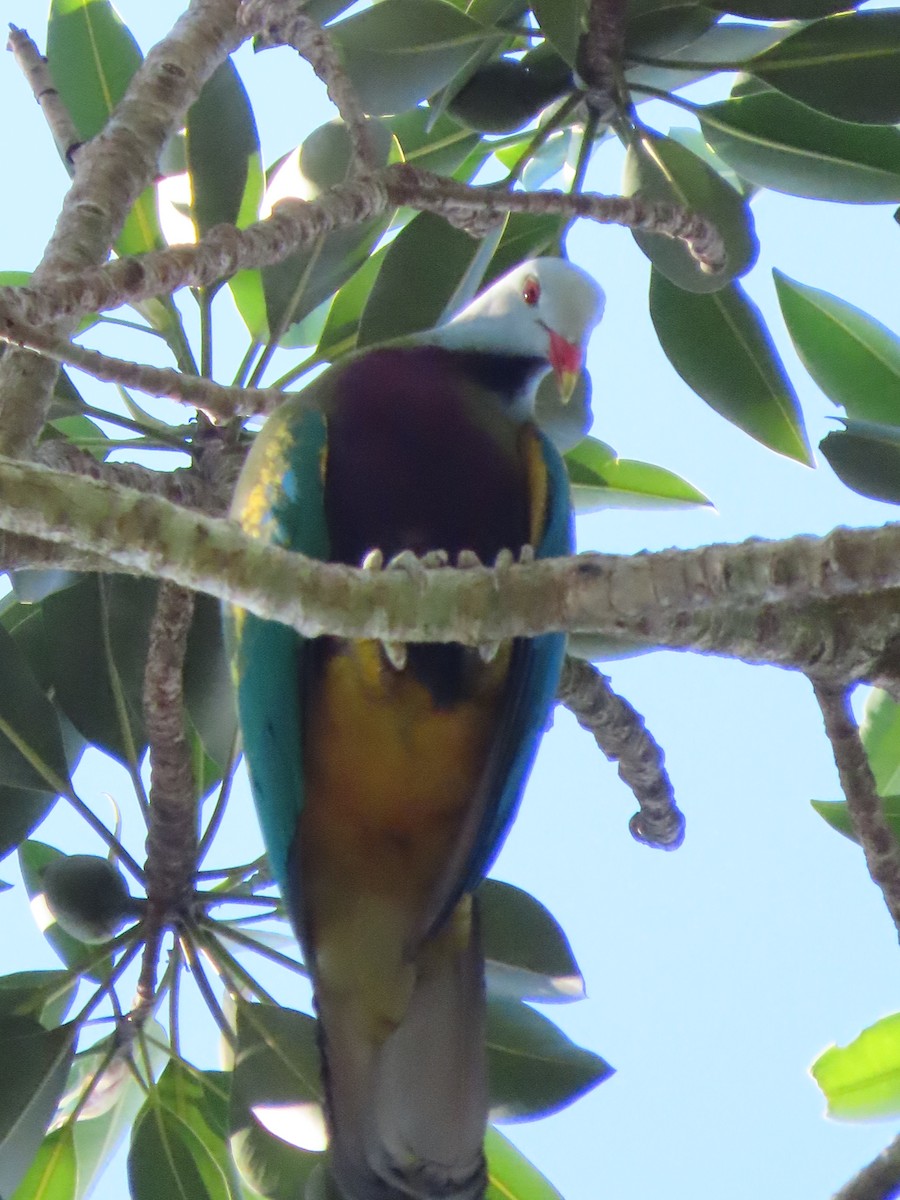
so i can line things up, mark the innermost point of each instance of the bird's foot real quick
(415, 565)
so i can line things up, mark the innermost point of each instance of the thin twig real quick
(217, 399)
(623, 737)
(36, 70)
(858, 784)
(283, 23)
(879, 1180)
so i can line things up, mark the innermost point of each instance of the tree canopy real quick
(179, 237)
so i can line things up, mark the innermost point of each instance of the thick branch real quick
(863, 802)
(671, 599)
(879, 1180)
(111, 171)
(601, 51)
(621, 734)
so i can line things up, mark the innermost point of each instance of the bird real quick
(386, 775)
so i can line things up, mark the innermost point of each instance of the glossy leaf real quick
(510, 1175)
(533, 1068)
(200, 1101)
(783, 10)
(223, 152)
(31, 746)
(439, 146)
(866, 457)
(168, 1161)
(719, 345)
(342, 323)
(777, 143)
(723, 43)
(21, 811)
(208, 690)
(53, 1174)
(98, 675)
(94, 56)
(525, 235)
(34, 857)
(862, 1080)
(853, 358)
(846, 65)
(44, 995)
(276, 1083)
(527, 954)
(600, 479)
(420, 273)
(36, 1063)
(562, 22)
(399, 52)
(837, 815)
(662, 169)
(880, 734)
(665, 30)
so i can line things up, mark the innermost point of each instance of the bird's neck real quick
(503, 369)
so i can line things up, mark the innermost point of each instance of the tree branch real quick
(111, 171)
(709, 600)
(879, 1180)
(172, 837)
(621, 734)
(283, 23)
(858, 784)
(600, 54)
(36, 70)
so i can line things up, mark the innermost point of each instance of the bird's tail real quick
(407, 1111)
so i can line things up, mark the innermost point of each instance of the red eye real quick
(531, 292)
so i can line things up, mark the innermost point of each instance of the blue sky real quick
(717, 973)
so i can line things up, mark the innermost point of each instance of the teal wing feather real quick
(279, 499)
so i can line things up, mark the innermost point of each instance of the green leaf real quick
(421, 271)
(561, 22)
(510, 1175)
(223, 152)
(837, 814)
(866, 457)
(667, 29)
(853, 358)
(168, 1161)
(295, 287)
(783, 10)
(399, 52)
(94, 56)
(53, 1173)
(533, 1068)
(339, 335)
(723, 43)
(527, 954)
(662, 169)
(21, 811)
(525, 235)
(862, 1080)
(97, 633)
(276, 1075)
(600, 479)
(777, 143)
(200, 1101)
(208, 689)
(439, 146)
(880, 734)
(846, 65)
(31, 746)
(34, 858)
(250, 300)
(44, 995)
(36, 1063)
(719, 345)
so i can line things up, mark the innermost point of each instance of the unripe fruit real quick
(88, 897)
(502, 96)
